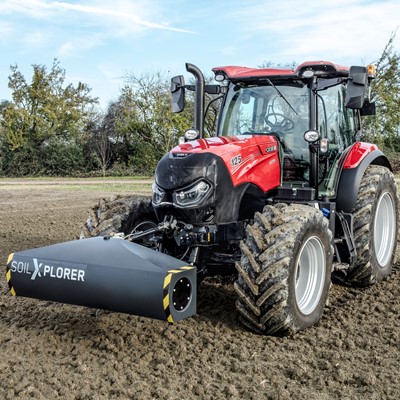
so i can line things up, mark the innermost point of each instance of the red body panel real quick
(246, 72)
(236, 72)
(249, 159)
(357, 153)
(310, 64)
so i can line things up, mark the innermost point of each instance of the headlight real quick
(192, 196)
(158, 194)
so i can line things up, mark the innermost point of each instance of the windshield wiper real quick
(283, 97)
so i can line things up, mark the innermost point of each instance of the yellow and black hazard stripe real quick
(8, 275)
(167, 281)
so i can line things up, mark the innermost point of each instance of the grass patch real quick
(110, 185)
(129, 184)
(71, 179)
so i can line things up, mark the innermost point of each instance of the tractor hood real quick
(244, 159)
(201, 178)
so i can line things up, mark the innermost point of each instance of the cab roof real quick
(323, 69)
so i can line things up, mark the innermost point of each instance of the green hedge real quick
(52, 159)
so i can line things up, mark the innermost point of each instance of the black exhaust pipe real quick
(106, 273)
(199, 98)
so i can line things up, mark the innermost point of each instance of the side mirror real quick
(178, 93)
(356, 87)
(369, 108)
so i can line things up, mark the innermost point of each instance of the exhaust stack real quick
(106, 273)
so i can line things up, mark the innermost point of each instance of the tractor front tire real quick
(285, 269)
(121, 214)
(375, 227)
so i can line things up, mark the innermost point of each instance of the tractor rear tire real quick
(285, 269)
(119, 214)
(375, 227)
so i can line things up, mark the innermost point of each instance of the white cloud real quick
(229, 50)
(78, 44)
(5, 30)
(344, 29)
(34, 8)
(110, 71)
(35, 39)
(71, 28)
(96, 12)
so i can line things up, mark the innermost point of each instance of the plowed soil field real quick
(56, 351)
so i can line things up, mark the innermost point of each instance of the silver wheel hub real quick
(310, 275)
(384, 229)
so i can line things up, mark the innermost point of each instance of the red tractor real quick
(285, 196)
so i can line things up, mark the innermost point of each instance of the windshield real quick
(280, 110)
(265, 109)
(283, 110)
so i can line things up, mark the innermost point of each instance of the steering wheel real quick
(279, 122)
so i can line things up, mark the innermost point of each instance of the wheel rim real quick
(384, 229)
(310, 275)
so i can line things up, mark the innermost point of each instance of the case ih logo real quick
(41, 269)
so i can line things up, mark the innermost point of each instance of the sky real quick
(101, 42)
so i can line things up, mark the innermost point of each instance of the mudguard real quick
(106, 273)
(360, 156)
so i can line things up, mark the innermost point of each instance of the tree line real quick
(54, 128)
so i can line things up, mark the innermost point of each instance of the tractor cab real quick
(313, 111)
(282, 112)
(310, 110)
